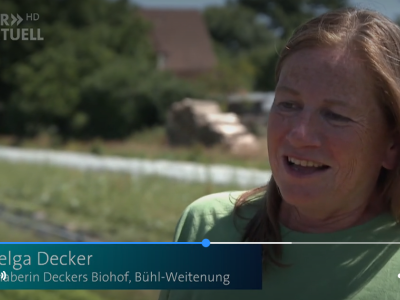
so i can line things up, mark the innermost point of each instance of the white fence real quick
(185, 171)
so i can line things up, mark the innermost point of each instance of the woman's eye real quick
(287, 106)
(335, 117)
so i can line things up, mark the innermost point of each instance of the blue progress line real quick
(100, 243)
(205, 243)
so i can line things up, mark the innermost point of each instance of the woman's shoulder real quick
(220, 203)
(210, 215)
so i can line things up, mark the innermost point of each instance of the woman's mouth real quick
(303, 167)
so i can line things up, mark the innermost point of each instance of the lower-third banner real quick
(130, 266)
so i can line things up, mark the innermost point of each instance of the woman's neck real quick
(295, 219)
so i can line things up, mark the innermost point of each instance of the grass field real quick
(150, 144)
(113, 207)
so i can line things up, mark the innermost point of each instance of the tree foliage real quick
(286, 15)
(254, 31)
(237, 28)
(239, 36)
(93, 74)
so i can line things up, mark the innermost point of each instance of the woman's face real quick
(327, 137)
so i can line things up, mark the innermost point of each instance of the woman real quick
(333, 150)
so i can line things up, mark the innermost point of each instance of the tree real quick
(237, 28)
(118, 100)
(254, 31)
(397, 21)
(242, 43)
(93, 74)
(286, 15)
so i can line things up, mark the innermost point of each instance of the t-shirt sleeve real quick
(186, 229)
(201, 215)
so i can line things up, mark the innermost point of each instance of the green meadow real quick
(107, 206)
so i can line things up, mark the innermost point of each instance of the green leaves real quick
(237, 27)
(253, 32)
(94, 75)
(127, 95)
(286, 15)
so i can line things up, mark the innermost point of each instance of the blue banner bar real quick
(130, 266)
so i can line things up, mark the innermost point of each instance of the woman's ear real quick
(392, 154)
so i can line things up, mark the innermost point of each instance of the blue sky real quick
(390, 8)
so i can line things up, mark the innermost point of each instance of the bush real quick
(93, 75)
(126, 96)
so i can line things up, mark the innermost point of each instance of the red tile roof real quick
(182, 38)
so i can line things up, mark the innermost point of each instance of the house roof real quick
(182, 38)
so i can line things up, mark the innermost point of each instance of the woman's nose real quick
(304, 132)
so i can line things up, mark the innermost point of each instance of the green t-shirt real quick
(328, 272)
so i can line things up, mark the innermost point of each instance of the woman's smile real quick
(303, 168)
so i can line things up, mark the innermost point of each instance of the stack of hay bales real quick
(199, 121)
